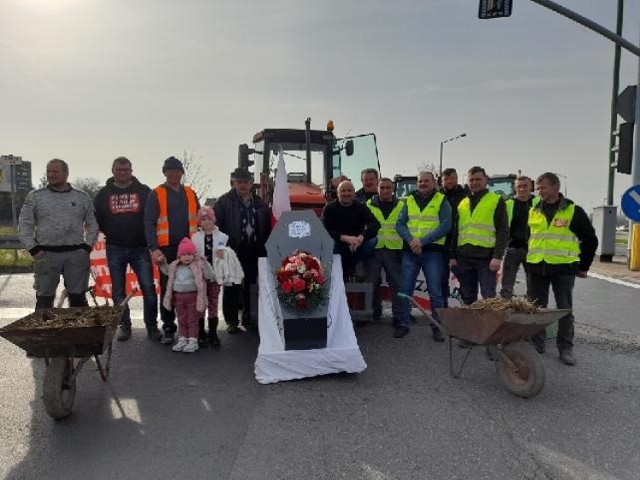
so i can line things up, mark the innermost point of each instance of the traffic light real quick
(494, 9)
(243, 156)
(624, 148)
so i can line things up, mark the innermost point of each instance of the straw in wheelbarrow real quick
(70, 318)
(515, 304)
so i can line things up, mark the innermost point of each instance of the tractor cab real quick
(315, 161)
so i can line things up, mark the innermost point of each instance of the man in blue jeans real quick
(423, 225)
(119, 209)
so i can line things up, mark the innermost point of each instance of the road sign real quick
(626, 104)
(10, 160)
(494, 9)
(631, 203)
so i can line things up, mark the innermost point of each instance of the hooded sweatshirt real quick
(120, 213)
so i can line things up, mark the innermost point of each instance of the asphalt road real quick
(166, 415)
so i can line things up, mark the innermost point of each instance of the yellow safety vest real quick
(553, 242)
(477, 228)
(423, 223)
(162, 226)
(387, 235)
(511, 202)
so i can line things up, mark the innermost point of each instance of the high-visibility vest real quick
(387, 235)
(162, 226)
(477, 228)
(553, 242)
(511, 202)
(423, 222)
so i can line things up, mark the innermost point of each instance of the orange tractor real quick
(316, 162)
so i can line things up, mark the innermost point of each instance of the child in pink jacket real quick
(187, 291)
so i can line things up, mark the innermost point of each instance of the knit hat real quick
(172, 163)
(206, 213)
(186, 247)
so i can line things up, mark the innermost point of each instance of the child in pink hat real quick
(187, 291)
(210, 243)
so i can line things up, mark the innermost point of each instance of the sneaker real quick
(167, 338)
(400, 332)
(181, 345)
(232, 329)
(191, 346)
(566, 357)
(124, 333)
(437, 336)
(154, 334)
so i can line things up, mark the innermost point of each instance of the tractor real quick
(316, 162)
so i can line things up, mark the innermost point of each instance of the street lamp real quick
(445, 141)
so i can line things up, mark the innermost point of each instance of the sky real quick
(90, 80)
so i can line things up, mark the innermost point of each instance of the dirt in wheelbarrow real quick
(70, 318)
(515, 304)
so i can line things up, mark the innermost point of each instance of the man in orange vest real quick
(170, 215)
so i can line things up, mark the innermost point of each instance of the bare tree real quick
(88, 185)
(194, 174)
(425, 166)
(42, 182)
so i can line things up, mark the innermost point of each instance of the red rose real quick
(320, 279)
(287, 286)
(301, 301)
(299, 285)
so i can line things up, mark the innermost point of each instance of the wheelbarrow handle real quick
(128, 297)
(424, 311)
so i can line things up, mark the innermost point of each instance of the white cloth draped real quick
(275, 364)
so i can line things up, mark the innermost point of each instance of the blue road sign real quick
(631, 203)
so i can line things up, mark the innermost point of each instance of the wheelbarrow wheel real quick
(525, 378)
(59, 392)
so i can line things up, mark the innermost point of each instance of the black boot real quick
(44, 302)
(78, 300)
(203, 341)
(214, 341)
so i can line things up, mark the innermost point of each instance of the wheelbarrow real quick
(505, 334)
(66, 349)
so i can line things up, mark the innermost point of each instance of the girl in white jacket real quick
(210, 243)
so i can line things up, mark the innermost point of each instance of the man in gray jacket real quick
(58, 228)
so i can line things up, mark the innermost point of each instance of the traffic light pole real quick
(614, 99)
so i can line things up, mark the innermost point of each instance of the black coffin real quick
(303, 333)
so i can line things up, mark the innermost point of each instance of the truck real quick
(501, 184)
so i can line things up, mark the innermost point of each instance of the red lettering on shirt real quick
(124, 203)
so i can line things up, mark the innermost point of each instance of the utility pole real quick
(614, 98)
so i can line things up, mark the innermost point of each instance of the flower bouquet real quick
(301, 281)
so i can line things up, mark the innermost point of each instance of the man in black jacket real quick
(352, 227)
(562, 244)
(454, 193)
(246, 219)
(119, 210)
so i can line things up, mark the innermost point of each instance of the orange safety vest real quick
(162, 228)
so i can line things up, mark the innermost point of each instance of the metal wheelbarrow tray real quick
(60, 346)
(61, 341)
(495, 327)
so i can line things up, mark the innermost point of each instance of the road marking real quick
(17, 312)
(614, 280)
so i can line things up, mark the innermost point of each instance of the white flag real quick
(281, 201)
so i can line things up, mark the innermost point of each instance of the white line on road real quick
(614, 280)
